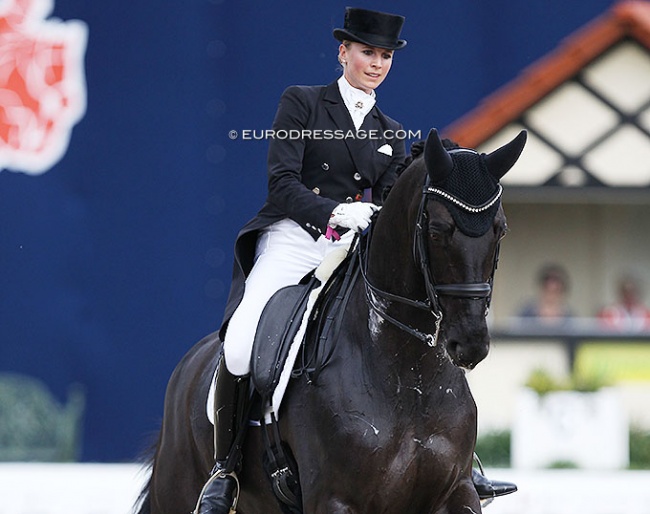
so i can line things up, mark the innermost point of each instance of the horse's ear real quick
(502, 159)
(436, 158)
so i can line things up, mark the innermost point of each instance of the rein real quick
(472, 291)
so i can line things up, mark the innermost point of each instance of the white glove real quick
(355, 216)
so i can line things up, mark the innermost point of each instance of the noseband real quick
(471, 291)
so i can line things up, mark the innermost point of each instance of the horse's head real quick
(460, 225)
(454, 223)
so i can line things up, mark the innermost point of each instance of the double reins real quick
(471, 291)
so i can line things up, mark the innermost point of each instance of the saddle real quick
(279, 324)
(303, 317)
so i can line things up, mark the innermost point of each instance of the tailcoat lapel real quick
(360, 148)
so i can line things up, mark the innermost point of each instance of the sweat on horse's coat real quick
(357, 432)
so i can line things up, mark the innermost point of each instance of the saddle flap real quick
(276, 330)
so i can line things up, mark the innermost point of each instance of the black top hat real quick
(372, 28)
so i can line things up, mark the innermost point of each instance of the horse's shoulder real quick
(199, 359)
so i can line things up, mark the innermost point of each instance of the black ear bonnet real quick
(470, 185)
(469, 182)
(464, 180)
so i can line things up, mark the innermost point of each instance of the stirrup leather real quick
(487, 501)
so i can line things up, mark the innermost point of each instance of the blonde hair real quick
(346, 43)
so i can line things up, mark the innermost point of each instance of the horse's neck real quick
(391, 267)
(394, 353)
(382, 357)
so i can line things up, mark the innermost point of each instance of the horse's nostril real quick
(466, 355)
(453, 348)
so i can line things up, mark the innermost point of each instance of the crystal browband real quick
(463, 205)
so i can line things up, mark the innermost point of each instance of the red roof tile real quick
(628, 18)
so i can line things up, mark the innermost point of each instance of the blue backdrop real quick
(115, 261)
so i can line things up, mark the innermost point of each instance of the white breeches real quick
(284, 254)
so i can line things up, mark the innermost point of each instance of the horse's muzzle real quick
(468, 354)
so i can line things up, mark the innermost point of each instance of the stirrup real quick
(486, 502)
(219, 474)
(494, 488)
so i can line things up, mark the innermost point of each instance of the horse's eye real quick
(439, 230)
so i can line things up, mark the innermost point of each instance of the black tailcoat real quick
(317, 160)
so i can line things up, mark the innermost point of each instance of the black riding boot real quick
(231, 402)
(487, 488)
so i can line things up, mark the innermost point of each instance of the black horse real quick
(390, 424)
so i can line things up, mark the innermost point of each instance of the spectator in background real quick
(550, 307)
(630, 313)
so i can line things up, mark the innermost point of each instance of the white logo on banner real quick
(42, 84)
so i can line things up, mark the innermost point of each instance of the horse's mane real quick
(416, 150)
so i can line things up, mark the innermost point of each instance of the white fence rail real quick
(113, 488)
(27, 488)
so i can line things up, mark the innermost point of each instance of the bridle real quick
(471, 291)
